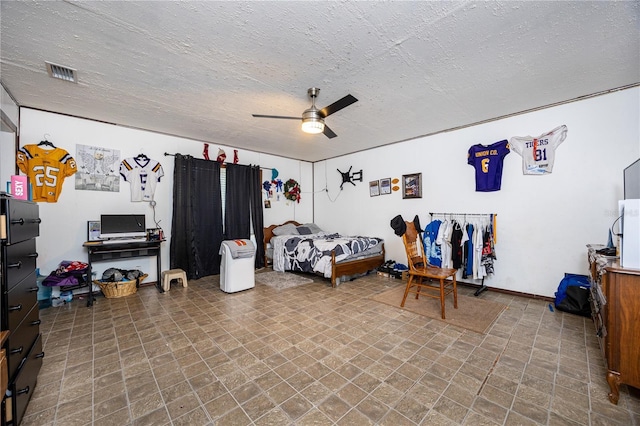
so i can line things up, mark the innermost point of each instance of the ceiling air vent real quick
(61, 72)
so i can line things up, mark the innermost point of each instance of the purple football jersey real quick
(487, 160)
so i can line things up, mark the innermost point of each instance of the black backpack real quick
(573, 295)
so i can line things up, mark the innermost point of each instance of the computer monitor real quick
(122, 226)
(632, 181)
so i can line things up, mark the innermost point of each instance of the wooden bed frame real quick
(338, 269)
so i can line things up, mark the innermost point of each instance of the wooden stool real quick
(173, 274)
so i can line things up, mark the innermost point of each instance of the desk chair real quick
(436, 282)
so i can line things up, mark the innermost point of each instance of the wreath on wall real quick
(292, 190)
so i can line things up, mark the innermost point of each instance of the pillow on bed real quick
(304, 230)
(287, 229)
(315, 229)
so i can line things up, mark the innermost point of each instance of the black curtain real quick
(243, 206)
(196, 230)
(256, 213)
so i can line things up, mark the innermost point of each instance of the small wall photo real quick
(412, 185)
(385, 186)
(374, 188)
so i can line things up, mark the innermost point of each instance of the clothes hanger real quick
(141, 156)
(46, 142)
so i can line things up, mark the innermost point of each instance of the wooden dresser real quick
(19, 313)
(615, 307)
(4, 368)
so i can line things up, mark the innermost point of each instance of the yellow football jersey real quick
(46, 170)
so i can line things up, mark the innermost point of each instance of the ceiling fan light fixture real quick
(312, 122)
(312, 126)
(313, 118)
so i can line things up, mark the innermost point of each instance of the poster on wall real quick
(98, 168)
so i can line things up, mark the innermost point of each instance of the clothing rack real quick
(492, 217)
(463, 214)
(167, 154)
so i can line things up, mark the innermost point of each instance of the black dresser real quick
(19, 314)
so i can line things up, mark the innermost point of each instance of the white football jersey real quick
(538, 154)
(143, 175)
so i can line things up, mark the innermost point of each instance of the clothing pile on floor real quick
(68, 273)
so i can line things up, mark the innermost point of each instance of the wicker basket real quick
(113, 289)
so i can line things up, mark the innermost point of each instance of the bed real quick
(297, 247)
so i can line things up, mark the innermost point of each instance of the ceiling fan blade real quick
(337, 105)
(276, 116)
(328, 132)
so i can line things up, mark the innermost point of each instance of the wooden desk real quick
(99, 252)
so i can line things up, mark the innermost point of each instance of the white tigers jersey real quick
(46, 170)
(143, 175)
(538, 154)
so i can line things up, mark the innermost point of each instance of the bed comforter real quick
(312, 253)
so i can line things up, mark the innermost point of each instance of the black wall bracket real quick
(348, 177)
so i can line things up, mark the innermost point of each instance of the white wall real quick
(64, 224)
(544, 222)
(282, 209)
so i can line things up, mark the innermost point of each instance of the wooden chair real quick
(436, 282)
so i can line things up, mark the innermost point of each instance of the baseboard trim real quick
(510, 292)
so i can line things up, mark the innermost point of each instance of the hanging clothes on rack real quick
(432, 249)
(479, 271)
(463, 241)
(457, 235)
(444, 241)
(467, 256)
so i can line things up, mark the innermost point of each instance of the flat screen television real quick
(122, 226)
(632, 181)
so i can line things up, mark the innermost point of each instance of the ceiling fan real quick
(313, 118)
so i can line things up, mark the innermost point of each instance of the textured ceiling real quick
(200, 69)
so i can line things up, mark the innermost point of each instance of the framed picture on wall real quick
(385, 186)
(412, 185)
(374, 188)
(93, 230)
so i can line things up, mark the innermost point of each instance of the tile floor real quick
(314, 355)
